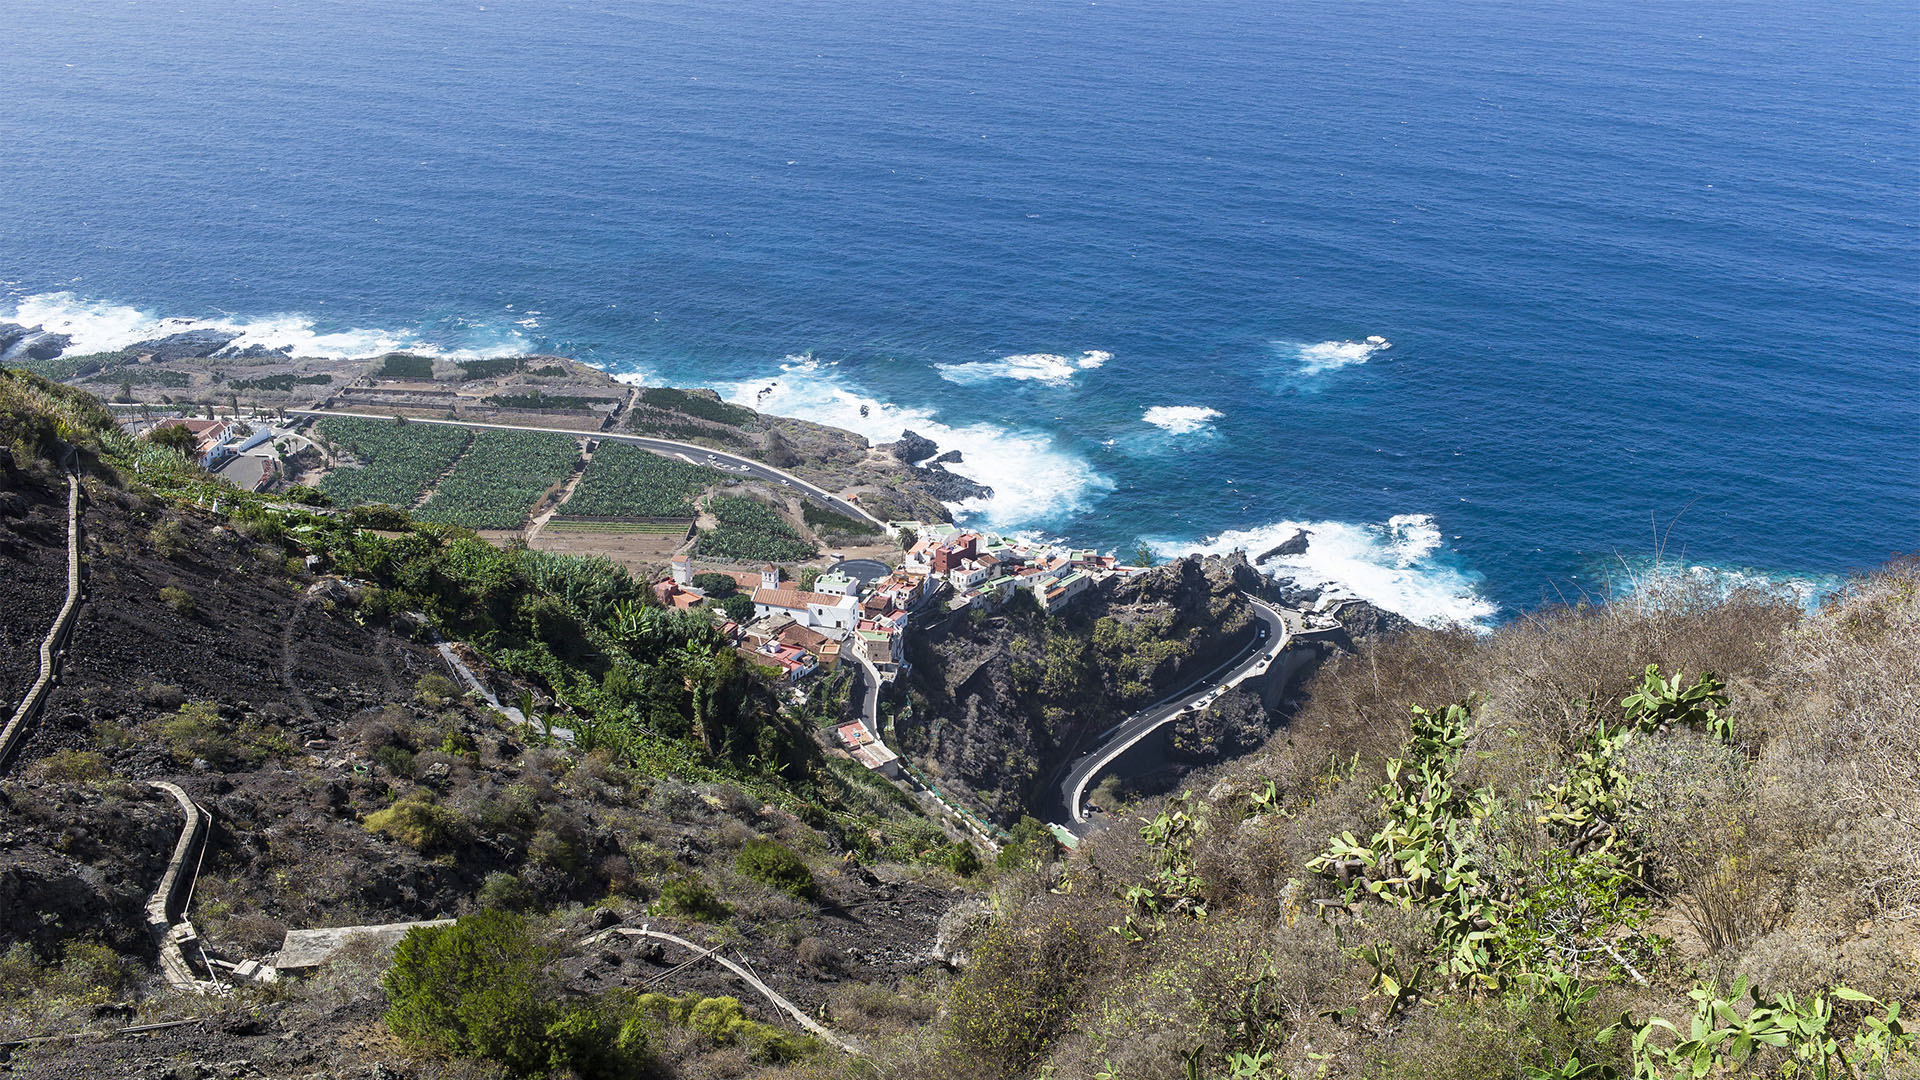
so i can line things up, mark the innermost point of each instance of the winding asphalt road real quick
(1261, 652)
(692, 453)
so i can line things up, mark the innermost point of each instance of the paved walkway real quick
(813, 1026)
(54, 644)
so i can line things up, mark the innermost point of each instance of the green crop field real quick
(502, 476)
(751, 532)
(399, 459)
(624, 481)
(706, 408)
(827, 522)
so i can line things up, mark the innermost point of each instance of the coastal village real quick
(802, 617)
(857, 611)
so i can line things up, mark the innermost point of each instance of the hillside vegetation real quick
(1665, 837)
(1673, 836)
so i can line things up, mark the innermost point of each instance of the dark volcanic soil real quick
(309, 723)
(33, 575)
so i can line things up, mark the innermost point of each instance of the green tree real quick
(484, 987)
(738, 607)
(478, 988)
(174, 437)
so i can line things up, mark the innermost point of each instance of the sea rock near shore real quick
(46, 346)
(186, 345)
(255, 352)
(1293, 545)
(933, 477)
(912, 448)
(950, 487)
(11, 333)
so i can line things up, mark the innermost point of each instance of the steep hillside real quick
(1000, 700)
(348, 781)
(1528, 854)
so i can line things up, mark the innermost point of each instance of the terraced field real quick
(502, 476)
(399, 460)
(610, 528)
(624, 481)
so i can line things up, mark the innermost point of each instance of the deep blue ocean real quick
(1485, 294)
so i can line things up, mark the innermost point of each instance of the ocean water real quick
(1485, 295)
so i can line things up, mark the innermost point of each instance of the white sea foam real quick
(1644, 580)
(636, 377)
(1046, 368)
(1396, 565)
(1181, 419)
(1329, 355)
(1033, 480)
(98, 326)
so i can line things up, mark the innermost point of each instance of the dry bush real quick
(819, 955)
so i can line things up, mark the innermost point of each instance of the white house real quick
(831, 615)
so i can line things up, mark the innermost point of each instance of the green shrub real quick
(484, 988)
(774, 864)
(717, 586)
(397, 760)
(197, 730)
(434, 690)
(177, 598)
(379, 516)
(692, 898)
(418, 822)
(505, 892)
(72, 766)
(168, 538)
(724, 1021)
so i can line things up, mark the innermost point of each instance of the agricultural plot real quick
(829, 523)
(621, 528)
(399, 459)
(502, 476)
(750, 531)
(624, 481)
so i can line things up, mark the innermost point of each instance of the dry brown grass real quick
(1791, 855)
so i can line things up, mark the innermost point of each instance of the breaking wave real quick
(1181, 419)
(1033, 480)
(1398, 565)
(101, 326)
(1330, 355)
(1028, 367)
(1645, 579)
